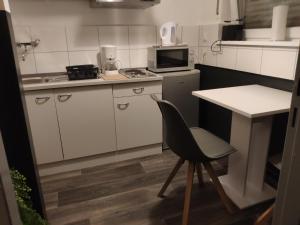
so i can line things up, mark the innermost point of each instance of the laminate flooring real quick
(125, 193)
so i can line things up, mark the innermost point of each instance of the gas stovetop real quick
(136, 73)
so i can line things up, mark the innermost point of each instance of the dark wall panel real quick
(258, 13)
(218, 120)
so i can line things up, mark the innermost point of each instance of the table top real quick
(251, 101)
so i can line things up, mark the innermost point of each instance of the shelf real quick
(284, 44)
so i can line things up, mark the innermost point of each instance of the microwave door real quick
(172, 58)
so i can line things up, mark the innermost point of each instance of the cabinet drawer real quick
(141, 88)
(279, 63)
(249, 59)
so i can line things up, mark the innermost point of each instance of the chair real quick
(197, 146)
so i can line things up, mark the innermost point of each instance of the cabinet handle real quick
(64, 98)
(41, 100)
(138, 90)
(123, 106)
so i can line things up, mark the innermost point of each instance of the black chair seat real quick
(211, 146)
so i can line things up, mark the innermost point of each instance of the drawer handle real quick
(64, 98)
(123, 106)
(138, 90)
(41, 100)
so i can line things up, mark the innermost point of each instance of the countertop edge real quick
(81, 83)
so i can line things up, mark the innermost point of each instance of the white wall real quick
(51, 20)
(78, 12)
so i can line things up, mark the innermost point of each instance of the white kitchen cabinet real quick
(138, 121)
(249, 59)
(279, 63)
(44, 126)
(227, 58)
(86, 120)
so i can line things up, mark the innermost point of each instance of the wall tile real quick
(51, 62)
(195, 53)
(124, 58)
(142, 36)
(114, 35)
(190, 35)
(27, 66)
(209, 34)
(22, 33)
(51, 38)
(83, 38)
(138, 58)
(84, 57)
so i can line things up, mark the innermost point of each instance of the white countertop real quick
(88, 82)
(251, 101)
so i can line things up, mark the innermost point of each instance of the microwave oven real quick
(169, 59)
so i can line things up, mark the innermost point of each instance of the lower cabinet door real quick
(44, 126)
(86, 120)
(138, 121)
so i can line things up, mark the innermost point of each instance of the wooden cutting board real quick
(114, 77)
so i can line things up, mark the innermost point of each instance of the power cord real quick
(212, 47)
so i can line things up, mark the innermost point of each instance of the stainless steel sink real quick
(47, 79)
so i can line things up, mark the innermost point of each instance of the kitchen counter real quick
(80, 83)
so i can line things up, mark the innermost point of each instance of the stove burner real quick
(136, 73)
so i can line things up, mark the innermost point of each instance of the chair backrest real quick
(179, 137)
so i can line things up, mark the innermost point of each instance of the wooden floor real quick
(125, 193)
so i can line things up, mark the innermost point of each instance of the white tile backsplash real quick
(27, 66)
(195, 53)
(142, 36)
(84, 57)
(83, 38)
(52, 39)
(138, 57)
(61, 46)
(114, 35)
(123, 58)
(190, 35)
(22, 33)
(51, 62)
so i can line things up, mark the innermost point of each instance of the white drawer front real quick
(279, 63)
(141, 88)
(227, 58)
(249, 59)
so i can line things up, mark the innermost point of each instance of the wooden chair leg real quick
(226, 201)
(199, 174)
(264, 218)
(170, 178)
(188, 192)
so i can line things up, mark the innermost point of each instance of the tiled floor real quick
(125, 193)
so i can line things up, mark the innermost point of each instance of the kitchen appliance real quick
(168, 59)
(109, 55)
(177, 88)
(233, 33)
(81, 72)
(168, 34)
(136, 73)
(129, 4)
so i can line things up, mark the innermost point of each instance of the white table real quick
(252, 109)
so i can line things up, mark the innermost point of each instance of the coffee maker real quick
(109, 55)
